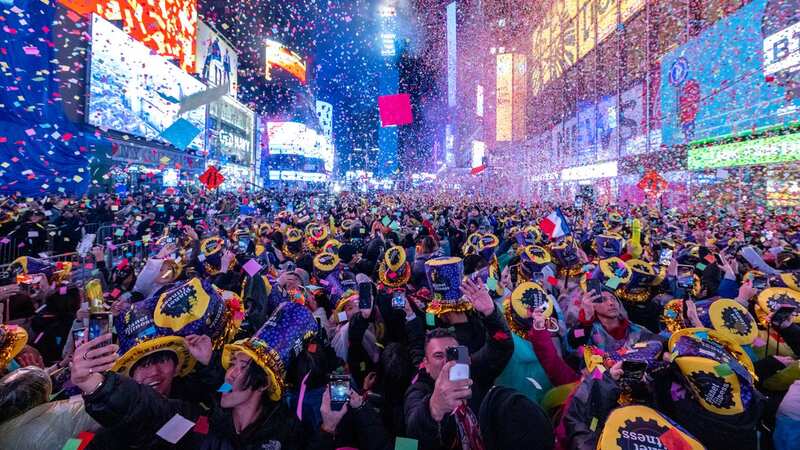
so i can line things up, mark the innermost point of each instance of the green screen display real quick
(769, 150)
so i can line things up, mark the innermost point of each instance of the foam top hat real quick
(139, 336)
(487, 245)
(472, 245)
(394, 271)
(643, 277)
(566, 253)
(789, 280)
(527, 296)
(609, 245)
(264, 230)
(716, 369)
(613, 273)
(25, 265)
(198, 307)
(532, 235)
(771, 299)
(317, 235)
(325, 263)
(332, 246)
(535, 258)
(210, 256)
(12, 340)
(294, 241)
(276, 344)
(636, 426)
(729, 318)
(444, 277)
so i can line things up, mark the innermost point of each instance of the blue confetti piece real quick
(181, 133)
(226, 387)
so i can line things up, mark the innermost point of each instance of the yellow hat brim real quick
(175, 344)
(276, 386)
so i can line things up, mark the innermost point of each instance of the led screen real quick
(135, 91)
(737, 75)
(217, 61)
(278, 56)
(167, 26)
(292, 138)
(769, 150)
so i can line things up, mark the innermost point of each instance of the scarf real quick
(469, 431)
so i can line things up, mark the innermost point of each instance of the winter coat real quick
(133, 413)
(486, 364)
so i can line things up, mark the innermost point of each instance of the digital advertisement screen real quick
(293, 138)
(280, 57)
(217, 61)
(571, 29)
(231, 128)
(505, 89)
(709, 90)
(170, 178)
(782, 190)
(769, 150)
(135, 91)
(168, 27)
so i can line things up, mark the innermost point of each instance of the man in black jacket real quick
(432, 399)
(245, 417)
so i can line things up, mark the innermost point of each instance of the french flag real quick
(555, 225)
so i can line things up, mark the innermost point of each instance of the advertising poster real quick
(505, 88)
(125, 97)
(711, 90)
(168, 27)
(217, 61)
(230, 134)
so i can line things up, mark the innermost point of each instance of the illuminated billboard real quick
(168, 27)
(712, 91)
(135, 91)
(292, 138)
(768, 150)
(280, 57)
(451, 54)
(230, 131)
(567, 33)
(478, 153)
(325, 117)
(217, 61)
(505, 89)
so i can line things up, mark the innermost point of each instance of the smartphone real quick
(594, 286)
(759, 282)
(685, 277)
(783, 313)
(340, 391)
(480, 276)
(633, 371)
(99, 324)
(244, 243)
(665, 257)
(77, 337)
(459, 354)
(579, 203)
(538, 278)
(364, 295)
(398, 300)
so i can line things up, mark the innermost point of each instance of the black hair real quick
(155, 358)
(439, 333)
(473, 263)
(255, 377)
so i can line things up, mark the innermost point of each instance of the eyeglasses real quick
(550, 324)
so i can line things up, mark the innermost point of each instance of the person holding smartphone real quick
(437, 404)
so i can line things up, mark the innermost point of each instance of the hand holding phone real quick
(398, 300)
(459, 354)
(365, 296)
(686, 277)
(633, 371)
(339, 391)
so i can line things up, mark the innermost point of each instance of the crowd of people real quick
(289, 320)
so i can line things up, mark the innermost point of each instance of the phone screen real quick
(244, 243)
(685, 277)
(77, 337)
(759, 282)
(398, 300)
(364, 295)
(99, 324)
(665, 257)
(340, 391)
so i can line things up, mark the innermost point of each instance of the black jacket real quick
(486, 365)
(132, 414)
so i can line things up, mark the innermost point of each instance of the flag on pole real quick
(555, 225)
